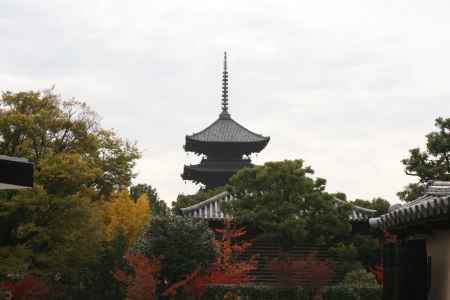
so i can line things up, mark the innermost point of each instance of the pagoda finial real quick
(225, 114)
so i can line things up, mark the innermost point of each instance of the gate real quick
(406, 270)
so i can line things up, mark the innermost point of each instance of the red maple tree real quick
(378, 271)
(28, 288)
(305, 271)
(228, 268)
(142, 282)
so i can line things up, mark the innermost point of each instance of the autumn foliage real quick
(142, 281)
(378, 272)
(228, 268)
(28, 288)
(121, 212)
(306, 271)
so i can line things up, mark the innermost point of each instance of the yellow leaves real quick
(122, 213)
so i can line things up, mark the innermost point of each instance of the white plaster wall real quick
(438, 247)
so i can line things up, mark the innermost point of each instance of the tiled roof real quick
(210, 209)
(227, 130)
(433, 204)
(15, 173)
(219, 166)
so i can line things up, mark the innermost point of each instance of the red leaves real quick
(227, 268)
(389, 237)
(378, 271)
(143, 281)
(306, 271)
(29, 288)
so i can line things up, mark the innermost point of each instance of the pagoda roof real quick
(227, 130)
(213, 173)
(434, 204)
(219, 166)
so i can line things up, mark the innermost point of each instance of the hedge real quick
(345, 292)
(256, 292)
(261, 292)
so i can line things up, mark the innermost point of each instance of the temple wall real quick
(438, 247)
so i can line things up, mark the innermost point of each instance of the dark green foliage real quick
(97, 279)
(431, 164)
(188, 200)
(157, 205)
(360, 278)
(345, 292)
(183, 244)
(379, 204)
(412, 191)
(282, 200)
(261, 292)
(257, 292)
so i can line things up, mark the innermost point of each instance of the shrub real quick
(29, 287)
(345, 292)
(183, 245)
(256, 292)
(263, 292)
(229, 268)
(360, 278)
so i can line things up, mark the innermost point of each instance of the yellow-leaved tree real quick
(122, 213)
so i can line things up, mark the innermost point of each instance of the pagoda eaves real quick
(224, 143)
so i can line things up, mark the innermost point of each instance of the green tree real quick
(431, 164)
(52, 228)
(183, 244)
(282, 200)
(188, 200)
(157, 205)
(379, 204)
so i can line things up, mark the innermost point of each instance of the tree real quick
(360, 278)
(142, 281)
(122, 213)
(379, 204)
(188, 200)
(431, 164)
(229, 267)
(54, 227)
(97, 278)
(309, 271)
(182, 244)
(282, 200)
(47, 234)
(27, 288)
(157, 206)
(62, 136)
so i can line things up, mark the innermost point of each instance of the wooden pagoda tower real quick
(224, 144)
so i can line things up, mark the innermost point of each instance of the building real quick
(210, 209)
(417, 260)
(15, 173)
(225, 144)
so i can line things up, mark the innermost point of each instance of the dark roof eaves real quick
(258, 137)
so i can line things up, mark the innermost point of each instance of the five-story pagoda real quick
(224, 144)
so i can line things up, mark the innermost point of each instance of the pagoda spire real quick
(225, 114)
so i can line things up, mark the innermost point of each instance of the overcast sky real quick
(348, 86)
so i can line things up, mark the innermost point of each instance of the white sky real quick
(349, 86)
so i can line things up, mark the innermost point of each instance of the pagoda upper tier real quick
(225, 134)
(224, 143)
